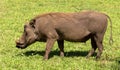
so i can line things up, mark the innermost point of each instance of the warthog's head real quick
(28, 37)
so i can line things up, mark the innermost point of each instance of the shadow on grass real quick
(118, 60)
(52, 53)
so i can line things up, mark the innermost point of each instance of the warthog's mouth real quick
(21, 46)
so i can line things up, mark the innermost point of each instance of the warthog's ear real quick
(32, 23)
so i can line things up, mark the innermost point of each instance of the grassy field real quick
(14, 14)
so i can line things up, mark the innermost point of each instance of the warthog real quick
(73, 27)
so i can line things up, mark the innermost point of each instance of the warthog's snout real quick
(20, 44)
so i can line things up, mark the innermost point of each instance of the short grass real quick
(13, 15)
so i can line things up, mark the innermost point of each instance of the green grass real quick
(15, 13)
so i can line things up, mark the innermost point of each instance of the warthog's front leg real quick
(49, 45)
(61, 47)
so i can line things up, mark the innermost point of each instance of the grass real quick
(13, 15)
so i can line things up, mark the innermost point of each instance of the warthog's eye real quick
(26, 33)
(25, 26)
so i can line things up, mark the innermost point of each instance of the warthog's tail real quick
(111, 38)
